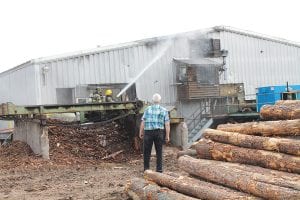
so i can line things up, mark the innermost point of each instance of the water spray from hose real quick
(163, 50)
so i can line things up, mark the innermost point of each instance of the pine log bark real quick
(282, 145)
(265, 128)
(189, 152)
(208, 149)
(244, 178)
(194, 187)
(140, 189)
(280, 112)
(288, 102)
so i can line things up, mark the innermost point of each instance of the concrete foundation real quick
(35, 135)
(179, 135)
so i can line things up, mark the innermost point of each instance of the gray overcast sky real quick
(39, 28)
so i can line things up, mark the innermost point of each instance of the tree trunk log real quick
(242, 178)
(194, 187)
(288, 103)
(218, 151)
(277, 112)
(189, 152)
(289, 146)
(139, 189)
(265, 128)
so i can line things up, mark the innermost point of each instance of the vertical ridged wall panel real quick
(258, 62)
(120, 65)
(19, 86)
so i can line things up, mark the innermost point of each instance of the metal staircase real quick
(197, 132)
(198, 121)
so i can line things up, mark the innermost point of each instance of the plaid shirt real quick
(155, 117)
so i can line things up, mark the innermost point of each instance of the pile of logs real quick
(254, 160)
(289, 109)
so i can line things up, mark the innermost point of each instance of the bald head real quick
(156, 98)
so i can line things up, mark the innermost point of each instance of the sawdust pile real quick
(83, 144)
(71, 145)
(18, 155)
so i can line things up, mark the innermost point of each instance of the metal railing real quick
(215, 107)
(194, 118)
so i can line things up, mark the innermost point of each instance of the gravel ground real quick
(76, 169)
(101, 181)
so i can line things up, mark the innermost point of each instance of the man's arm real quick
(167, 126)
(142, 130)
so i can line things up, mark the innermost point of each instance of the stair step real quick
(196, 134)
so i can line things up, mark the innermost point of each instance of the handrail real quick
(193, 119)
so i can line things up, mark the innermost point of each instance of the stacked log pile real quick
(289, 109)
(251, 160)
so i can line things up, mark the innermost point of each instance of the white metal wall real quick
(19, 85)
(252, 61)
(118, 65)
(258, 62)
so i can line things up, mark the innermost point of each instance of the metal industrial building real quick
(187, 68)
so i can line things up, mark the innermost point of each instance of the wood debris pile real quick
(17, 154)
(252, 160)
(74, 145)
(92, 144)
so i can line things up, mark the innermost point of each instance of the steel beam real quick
(9, 109)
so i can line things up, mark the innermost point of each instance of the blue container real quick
(269, 95)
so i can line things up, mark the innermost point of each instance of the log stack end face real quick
(203, 149)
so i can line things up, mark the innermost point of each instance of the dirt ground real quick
(101, 181)
(72, 174)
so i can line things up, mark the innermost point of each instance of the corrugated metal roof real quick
(256, 35)
(139, 42)
(25, 64)
(85, 52)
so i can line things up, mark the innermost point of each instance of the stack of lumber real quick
(252, 160)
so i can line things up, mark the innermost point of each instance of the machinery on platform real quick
(271, 94)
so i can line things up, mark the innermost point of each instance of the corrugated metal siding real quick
(19, 86)
(258, 62)
(253, 61)
(116, 66)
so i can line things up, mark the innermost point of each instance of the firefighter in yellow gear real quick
(108, 95)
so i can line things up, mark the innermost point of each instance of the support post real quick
(34, 134)
(82, 118)
(179, 135)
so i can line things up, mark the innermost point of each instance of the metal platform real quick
(9, 109)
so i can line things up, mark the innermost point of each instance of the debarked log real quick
(194, 187)
(288, 102)
(282, 145)
(140, 189)
(265, 128)
(277, 112)
(189, 152)
(218, 151)
(228, 174)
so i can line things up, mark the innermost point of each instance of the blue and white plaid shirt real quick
(155, 117)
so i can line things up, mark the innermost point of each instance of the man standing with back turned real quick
(154, 121)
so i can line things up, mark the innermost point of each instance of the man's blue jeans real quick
(156, 137)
